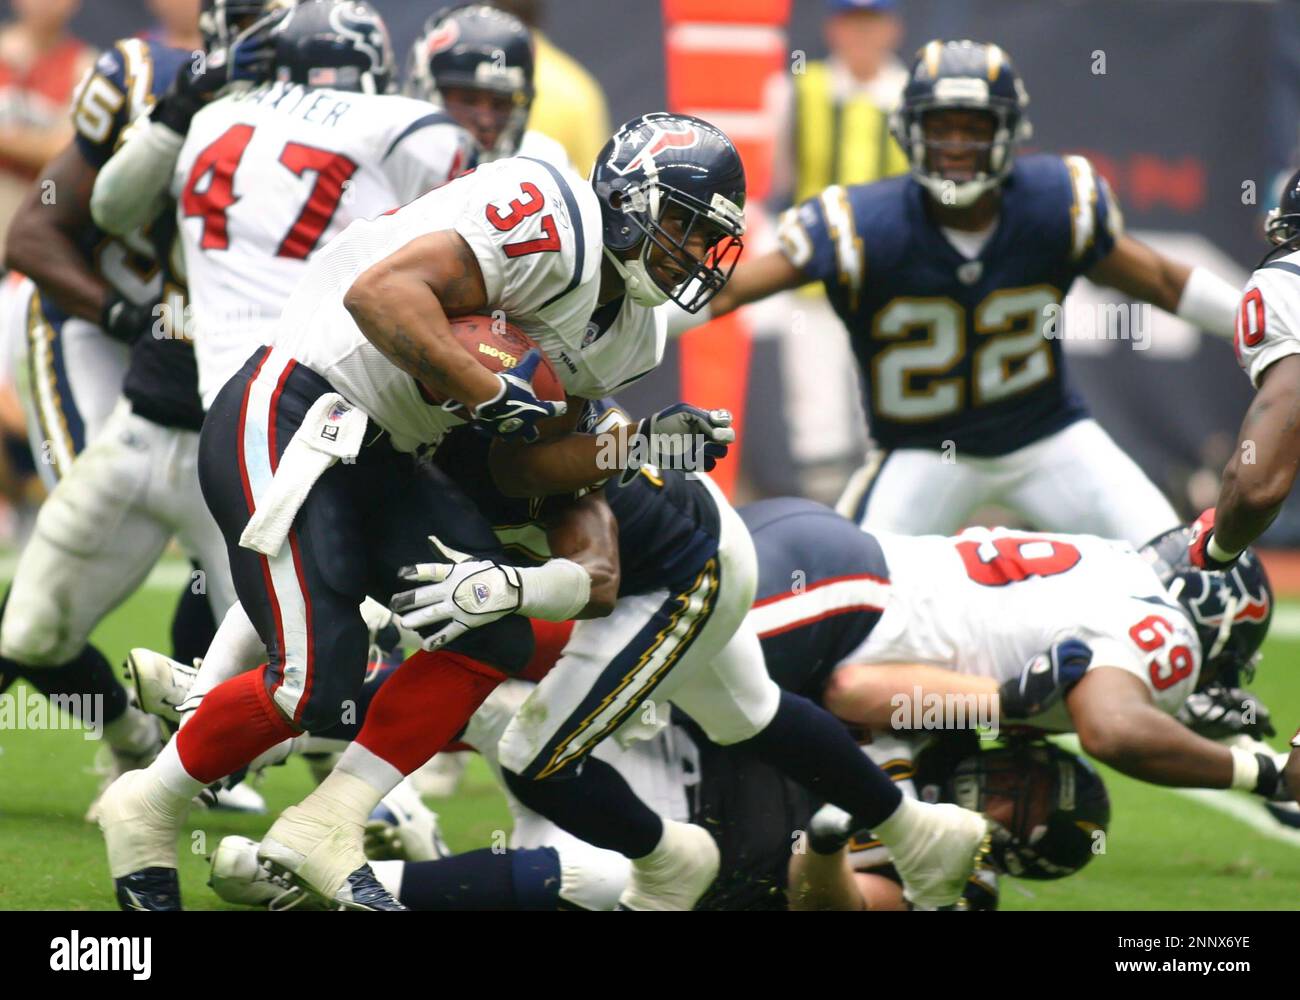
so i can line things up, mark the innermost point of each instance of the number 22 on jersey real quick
(1011, 356)
(218, 164)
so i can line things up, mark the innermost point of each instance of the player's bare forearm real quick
(1262, 470)
(868, 694)
(757, 279)
(402, 305)
(1117, 723)
(823, 882)
(562, 463)
(42, 237)
(586, 532)
(1142, 273)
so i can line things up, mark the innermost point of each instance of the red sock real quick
(423, 704)
(234, 723)
(549, 640)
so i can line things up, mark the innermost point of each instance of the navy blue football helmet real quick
(1230, 608)
(342, 44)
(664, 163)
(220, 21)
(962, 76)
(1048, 807)
(476, 47)
(1283, 223)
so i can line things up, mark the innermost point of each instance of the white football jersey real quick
(268, 176)
(987, 601)
(535, 231)
(1268, 319)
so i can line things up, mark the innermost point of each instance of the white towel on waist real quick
(333, 429)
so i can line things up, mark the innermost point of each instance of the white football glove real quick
(465, 593)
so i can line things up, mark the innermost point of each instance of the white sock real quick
(901, 825)
(389, 874)
(235, 648)
(171, 778)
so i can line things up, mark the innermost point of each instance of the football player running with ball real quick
(950, 284)
(308, 456)
(1261, 472)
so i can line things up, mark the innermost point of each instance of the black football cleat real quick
(149, 889)
(366, 892)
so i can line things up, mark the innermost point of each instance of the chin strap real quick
(640, 287)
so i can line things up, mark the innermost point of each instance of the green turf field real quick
(1164, 850)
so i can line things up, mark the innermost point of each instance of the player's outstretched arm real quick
(586, 532)
(1117, 723)
(1262, 470)
(132, 187)
(402, 305)
(680, 436)
(1195, 294)
(42, 237)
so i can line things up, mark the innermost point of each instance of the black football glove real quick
(1219, 712)
(126, 321)
(680, 436)
(1045, 680)
(514, 411)
(251, 57)
(1271, 783)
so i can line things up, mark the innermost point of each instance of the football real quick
(499, 345)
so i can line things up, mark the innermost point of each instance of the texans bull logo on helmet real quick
(672, 134)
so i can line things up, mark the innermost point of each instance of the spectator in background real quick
(176, 23)
(570, 106)
(835, 112)
(40, 64)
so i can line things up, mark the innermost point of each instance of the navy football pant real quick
(360, 524)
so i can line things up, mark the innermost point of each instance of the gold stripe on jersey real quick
(698, 599)
(849, 253)
(45, 389)
(1083, 208)
(137, 62)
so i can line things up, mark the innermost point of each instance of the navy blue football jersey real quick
(952, 348)
(162, 379)
(126, 81)
(822, 583)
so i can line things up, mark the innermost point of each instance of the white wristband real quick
(1209, 303)
(1217, 552)
(1245, 769)
(679, 320)
(555, 591)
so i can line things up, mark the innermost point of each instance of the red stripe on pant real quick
(426, 702)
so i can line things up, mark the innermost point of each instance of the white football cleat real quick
(161, 684)
(237, 876)
(403, 828)
(243, 798)
(944, 844)
(113, 762)
(326, 858)
(676, 873)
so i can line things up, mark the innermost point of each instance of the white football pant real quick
(101, 530)
(1076, 480)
